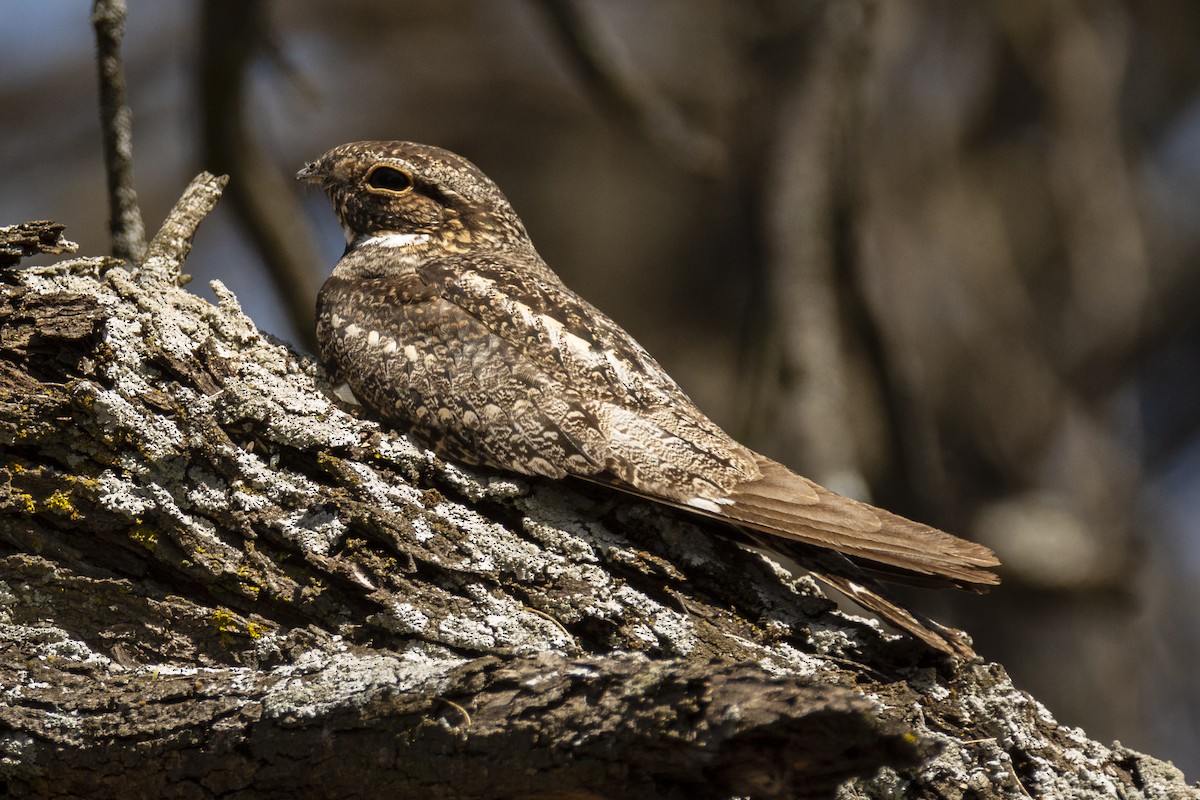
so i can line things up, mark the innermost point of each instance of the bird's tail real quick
(789, 507)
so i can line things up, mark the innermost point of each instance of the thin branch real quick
(116, 124)
(800, 228)
(171, 245)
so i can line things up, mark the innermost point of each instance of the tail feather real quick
(860, 586)
(788, 506)
(872, 597)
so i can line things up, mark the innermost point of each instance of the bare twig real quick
(116, 124)
(171, 245)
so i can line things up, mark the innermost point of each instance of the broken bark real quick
(215, 580)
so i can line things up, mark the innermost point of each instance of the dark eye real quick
(389, 179)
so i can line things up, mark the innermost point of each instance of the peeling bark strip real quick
(214, 580)
(30, 238)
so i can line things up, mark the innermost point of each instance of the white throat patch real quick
(394, 239)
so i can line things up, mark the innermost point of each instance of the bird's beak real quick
(310, 173)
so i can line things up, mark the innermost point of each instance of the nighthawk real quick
(448, 325)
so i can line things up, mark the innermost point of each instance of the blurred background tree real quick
(941, 255)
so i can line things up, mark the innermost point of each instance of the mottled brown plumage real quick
(447, 324)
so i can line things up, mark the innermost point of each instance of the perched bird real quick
(448, 325)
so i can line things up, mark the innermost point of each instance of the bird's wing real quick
(554, 328)
(653, 439)
(784, 504)
(792, 510)
(430, 368)
(657, 439)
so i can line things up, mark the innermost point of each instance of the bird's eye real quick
(389, 179)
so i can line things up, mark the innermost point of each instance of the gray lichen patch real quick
(312, 531)
(316, 683)
(51, 643)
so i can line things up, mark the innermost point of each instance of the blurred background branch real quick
(623, 91)
(233, 34)
(116, 127)
(942, 253)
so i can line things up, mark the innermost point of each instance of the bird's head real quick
(402, 191)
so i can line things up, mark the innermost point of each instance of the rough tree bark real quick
(216, 581)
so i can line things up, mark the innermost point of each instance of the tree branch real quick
(170, 246)
(816, 392)
(116, 126)
(724, 729)
(627, 94)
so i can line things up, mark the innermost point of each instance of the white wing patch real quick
(582, 348)
(558, 336)
(553, 330)
(477, 282)
(710, 505)
(621, 369)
